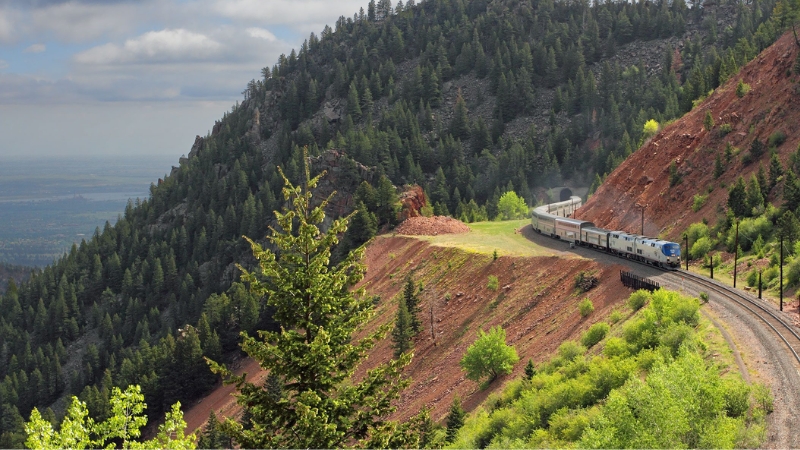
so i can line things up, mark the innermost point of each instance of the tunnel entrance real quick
(565, 194)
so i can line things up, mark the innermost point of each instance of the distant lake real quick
(46, 205)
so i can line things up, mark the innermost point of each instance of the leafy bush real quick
(570, 350)
(793, 272)
(698, 202)
(724, 129)
(638, 299)
(493, 283)
(742, 89)
(700, 248)
(665, 395)
(489, 356)
(697, 230)
(749, 229)
(776, 139)
(595, 334)
(752, 278)
(511, 207)
(650, 128)
(586, 307)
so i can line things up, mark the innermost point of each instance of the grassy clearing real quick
(486, 237)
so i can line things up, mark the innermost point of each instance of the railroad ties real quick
(636, 282)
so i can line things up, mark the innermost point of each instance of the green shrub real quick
(595, 334)
(742, 89)
(697, 230)
(752, 278)
(699, 201)
(489, 356)
(568, 425)
(616, 347)
(776, 139)
(638, 299)
(586, 307)
(493, 283)
(569, 350)
(674, 336)
(724, 129)
(749, 229)
(737, 397)
(615, 316)
(793, 273)
(700, 248)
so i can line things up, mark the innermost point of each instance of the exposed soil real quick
(535, 302)
(772, 104)
(431, 226)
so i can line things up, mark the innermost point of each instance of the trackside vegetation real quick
(646, 384)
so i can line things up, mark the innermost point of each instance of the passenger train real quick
(554, 220)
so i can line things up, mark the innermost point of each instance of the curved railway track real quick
(785, 331)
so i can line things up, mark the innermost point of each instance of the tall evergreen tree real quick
(313, 353)
(412, 303)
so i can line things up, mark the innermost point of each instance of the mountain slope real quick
(375, 99)
(772, 105)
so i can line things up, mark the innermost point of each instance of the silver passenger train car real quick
(554, 220)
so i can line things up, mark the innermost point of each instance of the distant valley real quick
(46, 205)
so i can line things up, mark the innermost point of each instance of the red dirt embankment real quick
(536, 302)
(643, 179)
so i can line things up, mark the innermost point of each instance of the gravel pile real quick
(431, 226)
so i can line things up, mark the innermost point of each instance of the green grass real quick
(486, 237)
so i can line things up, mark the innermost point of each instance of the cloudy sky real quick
(137, 77)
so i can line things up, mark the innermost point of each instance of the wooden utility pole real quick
(711, 257)
(686, 239)
(759, 283)
(735, 253)
(781, 283)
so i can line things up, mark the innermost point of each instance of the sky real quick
(111, 78)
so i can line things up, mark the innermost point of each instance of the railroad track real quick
(785, 331)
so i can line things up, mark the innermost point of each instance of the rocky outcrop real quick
(413, 200)
(343, 175)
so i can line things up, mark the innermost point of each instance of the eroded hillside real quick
(771, 106)
(536, 302)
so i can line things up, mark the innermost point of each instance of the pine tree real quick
(718, 167)
(737, 198)
(455, 419)
(530, 369)
(313, 353)
(459, 126)
(353, 102)
(411, 299)
(402, 331)
(708, 121)
(775, 170)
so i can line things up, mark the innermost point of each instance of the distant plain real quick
(47, 204)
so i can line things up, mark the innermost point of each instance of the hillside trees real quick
(312, 356)
(169, 258)
(489, 356)
(78, 430)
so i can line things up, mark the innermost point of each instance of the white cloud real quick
(287, 12)
(7, 21)
(80, 22)
(154, 46)
(261, 33)
(35, 48)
